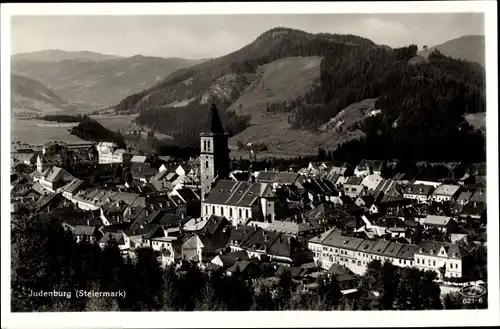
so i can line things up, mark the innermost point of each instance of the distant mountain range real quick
(91, 79)
(291, 90)
(470, 48)
(31, 96)
(57, 55)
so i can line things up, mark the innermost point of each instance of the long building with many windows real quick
(331, 247)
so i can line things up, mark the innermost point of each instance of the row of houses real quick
(446, 259)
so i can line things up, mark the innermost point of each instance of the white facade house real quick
(110, 153)
(446, 259)
(445, 193)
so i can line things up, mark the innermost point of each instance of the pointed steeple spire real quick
(215, 122)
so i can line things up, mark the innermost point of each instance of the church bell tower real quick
(214, 155)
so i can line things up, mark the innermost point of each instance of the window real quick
(434, 263)
(206, 209)
(456, 265)
(213, 210)
(239, 212)
(204, 145)
(206, 164)
(246, 213)
(418, 260)
(208, 146)
(230, 212)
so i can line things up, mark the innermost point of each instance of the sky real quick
(208, 36)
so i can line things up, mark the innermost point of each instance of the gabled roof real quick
(187, 194)
(266, 176)
(284, 246)
(436, 220)
(337, 269)
(335, 239)
(242, 194)
(418, 189)
(73, 185)
(380, 246)
(285, 177)
(479, 196)
(392, 249)
(85, 230)
(353, 180)
(473, 208)
(242, 233)
(464, 197)
(138, 158)
(433, 248)
(446, 190)
(215, 224)
(367, 245)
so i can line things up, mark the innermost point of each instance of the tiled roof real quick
(335, 239)
(195, 224)
(353, 180)
(73, 185)
(242, 233)
(284, 246)
(337, 269)
(418, 189)
(407, 251)
(367, 245)
(464, 197)
(138, 158)
(380, 247)
(84, 230)
(473, 208)
(446, 189)
(479, 196)
(187, 194)
(436, 220)
(434, 248)
(285, 177)
(242, 194)
(266, 176)
(392, 249)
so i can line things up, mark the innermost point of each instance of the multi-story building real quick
(445, 193)
(419, 192)
(110, 153)
(331, 247)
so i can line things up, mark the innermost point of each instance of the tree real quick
(285, 286)
(118, 172)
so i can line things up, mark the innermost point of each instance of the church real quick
(239, 202)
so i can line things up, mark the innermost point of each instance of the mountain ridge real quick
(29, 95)
(80, 78)
(468, 47)
(407, 90)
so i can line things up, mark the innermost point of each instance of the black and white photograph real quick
(249, 158)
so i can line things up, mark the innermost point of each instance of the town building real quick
(419, 192)
(110, 153)
(445, 193)
(331, 247)
(240, 202)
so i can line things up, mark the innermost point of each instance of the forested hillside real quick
(91, 130)
(418, 113)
